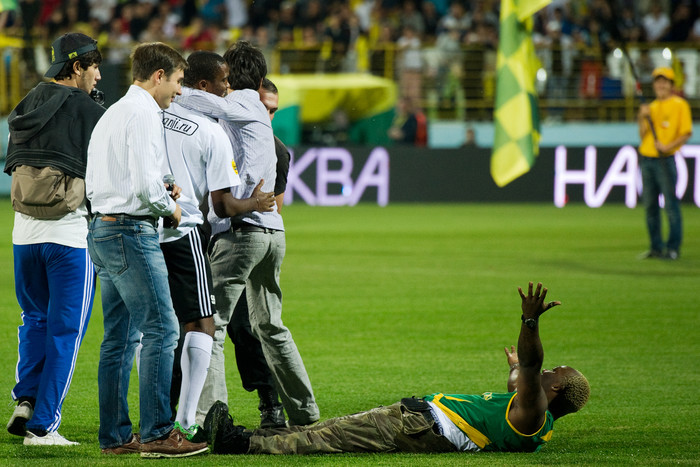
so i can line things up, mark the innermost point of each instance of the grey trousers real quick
(252, 261)
(385, 429)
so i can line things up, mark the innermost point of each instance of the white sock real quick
(137, 356)
(196, 355)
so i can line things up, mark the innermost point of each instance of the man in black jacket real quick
(54, 276)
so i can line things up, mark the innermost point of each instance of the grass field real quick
(412, 299)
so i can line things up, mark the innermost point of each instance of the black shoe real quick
(651, 254)
(17, 424)
(272, 417)
(224, 437)
(217, 411)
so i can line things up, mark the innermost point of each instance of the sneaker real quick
(51, 438)
(651, 254)
(175, 445)
(671, 254)
(131, 447)
(224, 436)
(17, 424)
(272, 417)
(195, 433)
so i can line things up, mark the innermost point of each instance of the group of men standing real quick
(153, 170)
(172, 196)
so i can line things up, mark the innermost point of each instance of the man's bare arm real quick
(512, 357)
(530, 404)
(225, 205)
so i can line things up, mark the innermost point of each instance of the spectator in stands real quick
(482, 32)
(337, 33)
(311, 14)
(457, 19)
(656, 23)
(200, 36)
(171, 20)
(449, 69)
(284, 27)
(212, 11)
(236, 13)
(431, 18)
(628, 25)
(681, 23)
(560, 60)
(469, 138)
(138, 24)
(103, 10)
(694, 35)
(409, 125)
(410, 63)
(154, 31)
(365, 11)
(410, 16)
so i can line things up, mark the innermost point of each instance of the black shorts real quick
(189, 276)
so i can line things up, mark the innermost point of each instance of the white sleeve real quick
(144, 156)
(228, 108)
(221, 169)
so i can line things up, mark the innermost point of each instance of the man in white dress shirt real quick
(124, 184)
(200, 157)
(247, 250)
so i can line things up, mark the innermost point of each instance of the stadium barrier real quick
(382, 175)
(345, 176)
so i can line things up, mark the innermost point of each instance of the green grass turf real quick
(411, 299)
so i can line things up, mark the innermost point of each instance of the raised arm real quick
(227, 108)
(530, 403)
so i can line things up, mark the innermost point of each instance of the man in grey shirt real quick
(247, 250)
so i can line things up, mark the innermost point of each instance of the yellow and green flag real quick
(516, 113)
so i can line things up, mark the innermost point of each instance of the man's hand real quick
(176, 217)
(175, 194)
(643, 111)
(174, 191)
(534, 305)
(264, 201)
(511, 355)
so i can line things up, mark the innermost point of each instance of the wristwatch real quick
(529, 322)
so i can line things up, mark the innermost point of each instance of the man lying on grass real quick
(519, 420)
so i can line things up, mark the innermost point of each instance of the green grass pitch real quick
(411, 299)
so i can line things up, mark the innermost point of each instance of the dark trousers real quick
(252, 366)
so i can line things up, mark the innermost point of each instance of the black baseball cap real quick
(66, 48)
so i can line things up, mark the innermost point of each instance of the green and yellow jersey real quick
(484, 419)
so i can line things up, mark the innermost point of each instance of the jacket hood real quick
(37, 108)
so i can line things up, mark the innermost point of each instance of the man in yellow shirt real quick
(664, 126)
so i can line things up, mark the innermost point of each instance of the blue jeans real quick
(659, 176)
(55, 286)
(252, 261)
(135, 299)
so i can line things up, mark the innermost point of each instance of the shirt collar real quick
(141, 94)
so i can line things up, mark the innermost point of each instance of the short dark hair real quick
(202, 64)
(269, 86)
(246, 64)
(148, 58)
(573, 395)
(86, 60)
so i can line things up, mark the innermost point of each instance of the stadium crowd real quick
(409, 24)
